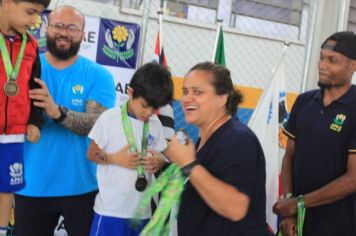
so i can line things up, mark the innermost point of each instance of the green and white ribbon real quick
(171, 185)
(12, 72)
(131, 138)
(300, 215)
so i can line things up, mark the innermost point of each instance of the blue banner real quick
(118, 44)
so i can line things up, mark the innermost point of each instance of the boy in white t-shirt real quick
(116, 147)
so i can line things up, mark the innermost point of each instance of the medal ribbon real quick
(131, 138)
(171, 185)
(300, 215)
(12, 72)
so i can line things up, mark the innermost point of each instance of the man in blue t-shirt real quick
(74, 91)
(319, 167)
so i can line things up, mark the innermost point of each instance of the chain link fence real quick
(255, 34)
(352, 16)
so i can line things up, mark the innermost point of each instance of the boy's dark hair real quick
(45, 3)
(153, 82)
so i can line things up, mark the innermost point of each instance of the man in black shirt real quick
(319, 166)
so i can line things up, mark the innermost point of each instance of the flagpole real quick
(166, 113)
(144, 23)
(216, 39)
(286, 46)
(160, 29)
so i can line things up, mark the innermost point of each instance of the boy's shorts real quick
(106, 225)
(11, 167)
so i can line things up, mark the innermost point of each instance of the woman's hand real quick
(181, 154)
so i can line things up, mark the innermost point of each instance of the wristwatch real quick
(188, 168)
(63, 114)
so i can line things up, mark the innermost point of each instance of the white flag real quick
(264, 123)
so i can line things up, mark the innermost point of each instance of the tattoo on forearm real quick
(101, 156)
(82, 122)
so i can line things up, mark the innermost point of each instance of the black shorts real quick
(38, 216)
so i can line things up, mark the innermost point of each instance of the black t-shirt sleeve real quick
(289, 128)
(36, 112)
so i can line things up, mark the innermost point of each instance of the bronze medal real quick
(141, 183)
(11, 88)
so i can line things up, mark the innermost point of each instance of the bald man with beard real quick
(74, 92)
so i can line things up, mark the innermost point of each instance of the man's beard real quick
(62, 54)
(324, 85)
(329, 85)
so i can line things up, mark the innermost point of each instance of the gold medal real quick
(11, 88)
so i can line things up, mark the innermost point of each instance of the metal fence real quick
(352, 16)
(255, 32)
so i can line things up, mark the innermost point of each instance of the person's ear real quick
(83, 36)
(130, 92)
(222, 100)
(353, 65)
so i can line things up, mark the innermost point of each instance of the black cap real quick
(345, 44)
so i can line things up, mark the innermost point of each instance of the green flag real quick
(219, 53)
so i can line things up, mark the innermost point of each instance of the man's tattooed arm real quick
(82, 122)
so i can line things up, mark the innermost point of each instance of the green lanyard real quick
(12, 72)
(133, 148)
(300, 215)
(171, 185)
